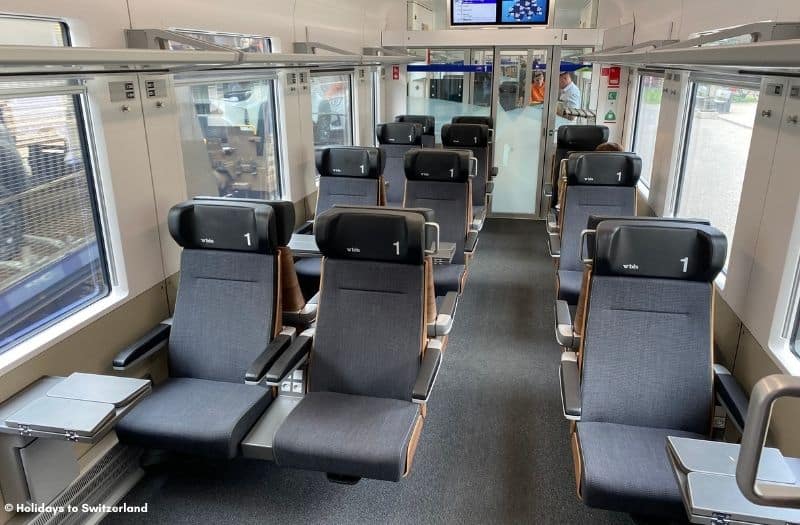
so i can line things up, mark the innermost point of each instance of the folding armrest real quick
(291, 359)
(478, 219)
(552, 222)
(301, 318)
(444, 318)
(306, 228)
(472, 242)
(570, 386)
(731, 396)
(274, 349)
(565, 330)
(554, 245)
(314, 300)
(489, 188)
(495, 171)
(428, 372)
(150, 343)
(547, 189)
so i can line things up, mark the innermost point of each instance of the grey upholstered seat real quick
(358, 418)
(475, 138)
(440, 180)
(598, 183)
(647, 359)
(572, 138)
(225, 316)
(428, 123)
(396, 139)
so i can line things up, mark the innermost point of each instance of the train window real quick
(32, 32)
(717, 144)
(247, 43)
(332, 109)
(229, 137)
(52, 260)
(648, 107)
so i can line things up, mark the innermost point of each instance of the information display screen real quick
(498, 12)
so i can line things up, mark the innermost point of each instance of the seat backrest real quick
(486, 121)
(428, 123)
(370, 323)
(474, 137)
(349, 175)
(227, 307)
(596, 184)
(647, 341)
(571, 138)
(395, 139)
(440, 180)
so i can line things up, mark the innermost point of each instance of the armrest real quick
(731, 396)
(306, 228)
(489, 187)
(472, 241)
(570, 386)
(554, 245)
(273, 351)
(547, 189)
(552, 222)
(428, 371)
(301, 318)
(314, 300)
(444, 318)
(291, 359)
(495, 171)
(150, 343)
(565, 331)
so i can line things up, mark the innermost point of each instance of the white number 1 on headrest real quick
(685, 262)
(396, 247)
(452, 173)
(362, 168)
(247, 238)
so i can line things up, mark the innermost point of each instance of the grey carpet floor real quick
(494, 448)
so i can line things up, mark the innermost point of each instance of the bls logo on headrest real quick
(424, 174)
(207, 241)
(353, 250)
(336, 170)
(588, 179)
(631, 267)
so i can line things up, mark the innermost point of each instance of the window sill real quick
(786, 360)
(47, 338)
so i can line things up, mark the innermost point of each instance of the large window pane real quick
(332, 110)
(648, 108)
(717, 147)
(229, 139)
(51, 254)
(32, 32)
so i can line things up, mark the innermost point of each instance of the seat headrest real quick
(581, 138)
(595, 220)
(604, 169)
(451, 165)
(428, 122)
(224, 224)
(372, 234)
(465, 135)
(400, 133)
(656, 249)
(359, 162)
(283, 211)
(486, 121)
(428, 213)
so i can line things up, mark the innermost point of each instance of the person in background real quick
(537, 88)
(570, 95)
(609, 146)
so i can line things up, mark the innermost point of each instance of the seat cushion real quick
(569, 286)
(626, 468)
(349, 435)
(447, 278)
(195, 416)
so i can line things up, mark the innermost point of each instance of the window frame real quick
(212, 77)
(644, 186)
(350, 74)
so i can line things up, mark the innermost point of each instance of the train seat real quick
(441, 180)
(225, 332)
(474, 137)
(396, 139)
(489, 123)
(368, 380)
(347, 175)
(644, 371)
(428, 123)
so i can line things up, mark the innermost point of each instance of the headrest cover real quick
(350, 162)
(595, 220)
(400, 133)
(581, 138)
(427, 122)
(604, 169)
(486, 121)
(386, 235)
(668, 250)
(283, 212)
(465, 135)
(427, 213)
(221, 225)
(451, 165)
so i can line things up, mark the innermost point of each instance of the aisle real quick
(494, 448)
